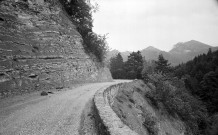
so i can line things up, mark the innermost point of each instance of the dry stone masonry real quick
(103, 100)
(40, 48)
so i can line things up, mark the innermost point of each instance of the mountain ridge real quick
(180, 53)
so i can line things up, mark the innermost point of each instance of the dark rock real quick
(43, 93)
(59, 88)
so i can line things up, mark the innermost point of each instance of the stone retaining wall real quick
(103, 100)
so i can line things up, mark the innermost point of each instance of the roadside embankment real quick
(125, 110)
(140, 115)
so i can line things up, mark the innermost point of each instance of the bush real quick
(152, 99)
(145, 76)
(150, 124)
(95, 44)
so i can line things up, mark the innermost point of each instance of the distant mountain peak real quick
(114, 50)
(181, 52)
(178, 44)
(191, 45)
(150, 48)
(126, 52)
(194, 42)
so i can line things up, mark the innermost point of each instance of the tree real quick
(148, 68)
(80, 12)
(200, 76)
(209, 90)
(134, 66)
(116, 67)
(209, 55)
(162, 64)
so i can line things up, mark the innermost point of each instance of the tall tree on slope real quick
(116, 67)
(162, 64)
(134, 66)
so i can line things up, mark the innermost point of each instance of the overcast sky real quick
(136, 24)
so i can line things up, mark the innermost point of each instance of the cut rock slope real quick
(40, 48)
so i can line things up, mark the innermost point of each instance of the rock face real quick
(40, 48)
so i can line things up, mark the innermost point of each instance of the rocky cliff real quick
(40, 48)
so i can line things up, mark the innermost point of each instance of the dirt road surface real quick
(55, 114)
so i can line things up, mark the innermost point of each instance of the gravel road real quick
(55, 114)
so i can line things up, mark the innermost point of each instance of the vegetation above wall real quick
(81, 13)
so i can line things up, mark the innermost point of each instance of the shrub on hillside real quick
(178, 103)
(95, 44)
(150, 123)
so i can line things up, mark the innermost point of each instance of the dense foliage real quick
(137, 68)
(80, 12)
(200, 90)
(150, 123)
(131, 69)
(201, 78)
(172, 99)
(188, 91)
(116, 67)
(134, 66)
(162, 64)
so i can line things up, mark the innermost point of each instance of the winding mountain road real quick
(55, 114)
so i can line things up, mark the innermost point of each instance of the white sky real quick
(136, 24)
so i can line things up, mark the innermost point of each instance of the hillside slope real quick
(136, 111)
(40, 48)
